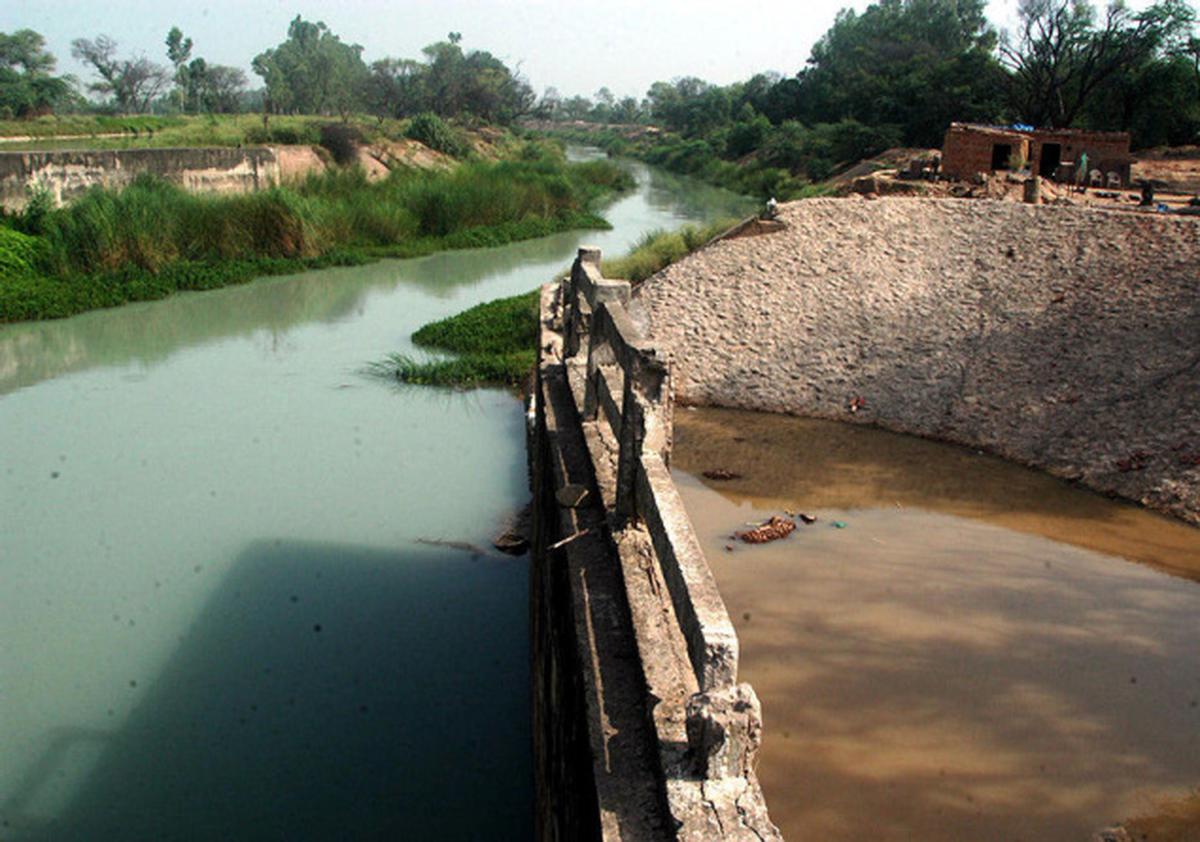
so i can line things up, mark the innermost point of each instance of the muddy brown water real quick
(982, 652)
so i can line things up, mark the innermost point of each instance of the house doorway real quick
(1001, 153)
(1050, 159)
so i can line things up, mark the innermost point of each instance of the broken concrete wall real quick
(643, 731)
(68, 174)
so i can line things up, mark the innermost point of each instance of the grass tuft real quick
(657, 250)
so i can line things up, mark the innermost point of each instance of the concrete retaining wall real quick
(642, 730)
(68, 174)
(1065, 338)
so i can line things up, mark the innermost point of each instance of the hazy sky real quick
(575, 46)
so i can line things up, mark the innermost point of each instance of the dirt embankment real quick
(1065, 338)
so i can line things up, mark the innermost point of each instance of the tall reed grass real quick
(152, 236)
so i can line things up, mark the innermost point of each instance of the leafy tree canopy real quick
(313, 71)
(26, 84)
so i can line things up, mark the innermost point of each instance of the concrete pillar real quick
(1033, 190)
(724, 730)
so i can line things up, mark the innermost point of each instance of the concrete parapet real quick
(604, 406)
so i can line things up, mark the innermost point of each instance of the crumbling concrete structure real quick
(67, 174)
(642, 731)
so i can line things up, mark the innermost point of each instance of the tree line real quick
(902, 70)
(312, 71)
(897, 73)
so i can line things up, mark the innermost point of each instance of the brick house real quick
(1051, 153)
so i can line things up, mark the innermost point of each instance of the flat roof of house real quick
(1010, 131)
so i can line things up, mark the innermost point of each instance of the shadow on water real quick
(323, 692)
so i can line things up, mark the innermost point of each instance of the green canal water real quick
(217, 618)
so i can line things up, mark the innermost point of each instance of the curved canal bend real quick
(216, 619)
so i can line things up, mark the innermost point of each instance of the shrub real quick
(38, 205)
(431, 130)
(19, 253)
(342, 140)
(152, 237)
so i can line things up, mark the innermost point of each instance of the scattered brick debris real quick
(721, 474)
(770, 530)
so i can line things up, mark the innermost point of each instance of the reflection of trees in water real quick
(690, 197)
(149, 332)
(443, 273)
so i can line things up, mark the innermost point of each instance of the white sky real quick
(574, 46)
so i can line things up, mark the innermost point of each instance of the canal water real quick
(958, 648)
(219, 616)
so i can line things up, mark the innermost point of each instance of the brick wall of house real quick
(967, 151)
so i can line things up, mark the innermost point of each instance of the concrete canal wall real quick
(1064, 338)
(67, 174)
(642, 731)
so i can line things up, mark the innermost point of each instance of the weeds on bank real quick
(151, 238)
(657, 250)
(495, 343)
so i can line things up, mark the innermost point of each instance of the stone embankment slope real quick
(1065, 338)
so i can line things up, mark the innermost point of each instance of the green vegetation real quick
(312, 71)
(431, 130)
(26, 84)
(897, 74)
(495, 343)
(188, 130)
(657, 250)
(152, 238)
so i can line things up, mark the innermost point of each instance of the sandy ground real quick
(296, 162)
(1065, 338)
(378, 159)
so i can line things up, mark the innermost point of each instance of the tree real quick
(313, 71)
(689, 105)
(395, 88)
(26, 84)
(477, 83)
(626, 111)
(1063, 53)
(916, 64)
(549, 105)
(132, 83)
(179, 50)
(575, 108)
